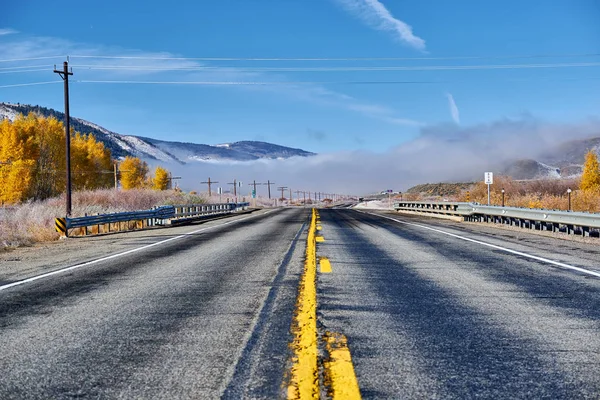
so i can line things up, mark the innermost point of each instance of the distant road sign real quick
(253, 193)
(488, 178)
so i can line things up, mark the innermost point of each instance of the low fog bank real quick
(441, 153)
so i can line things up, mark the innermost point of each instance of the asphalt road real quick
(190, 318)
(208, 314)
(429, 315)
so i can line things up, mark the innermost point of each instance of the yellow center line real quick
(339, 371)
(304, 380)
(325, 265)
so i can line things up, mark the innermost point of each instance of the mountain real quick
(153, 149)
(530, 169)
(240, 151)
(564, 160)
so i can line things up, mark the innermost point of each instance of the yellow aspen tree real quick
(49, 155)
(134, 173)
(18, 154)
(19, 181)
(101, 162)
(161, 179)
(91, 163)
(590, 179)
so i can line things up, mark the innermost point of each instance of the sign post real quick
(489, 180)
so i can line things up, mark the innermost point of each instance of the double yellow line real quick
(339, 373)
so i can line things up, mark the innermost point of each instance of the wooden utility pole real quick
(254, 185)
(64, 74)
(116, 174)
(269, 183)
(209, 186)
(171, 178)
(282, 188)
(291, 197)
(234, 183)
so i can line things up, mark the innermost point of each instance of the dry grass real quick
(33, 222)
(547, 194)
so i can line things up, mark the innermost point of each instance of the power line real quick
(340, 69)
(29, 84)
(300, 83)
(334, 58)
(283, 83)
(249, 83)
(24, 70)
(26, 66)
(32, 58)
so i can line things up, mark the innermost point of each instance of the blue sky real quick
(326, 109)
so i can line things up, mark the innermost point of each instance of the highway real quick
(430, 309)
(191, 318)
(432, 316)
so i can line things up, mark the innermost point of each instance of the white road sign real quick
(488, 178)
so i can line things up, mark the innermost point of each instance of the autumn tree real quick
(590, 179)
(161, 179)
(134, 173)
(91, 162)
(32, 159)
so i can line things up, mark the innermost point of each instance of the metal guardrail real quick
(581, 223)
(162, 215)
(158, 214)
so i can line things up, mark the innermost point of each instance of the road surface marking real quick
(320, 239)
(519, 253)
(339, 371)
(325, 265)
(304, 380)
(71, 268)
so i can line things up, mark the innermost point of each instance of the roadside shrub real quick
(33, 221)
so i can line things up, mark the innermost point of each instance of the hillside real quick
(153, 149)
(440, 189)
(564, 160)
(531, 169)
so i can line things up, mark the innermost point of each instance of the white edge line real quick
(546, 260)
(67, 269)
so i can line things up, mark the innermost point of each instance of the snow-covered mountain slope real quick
(531, 169)
(154, 149)
(189, 152)
(266, 150)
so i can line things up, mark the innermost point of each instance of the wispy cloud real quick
(404, 121)
(7, 31)
(101, 62)
(377, 16)
(453, 108)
